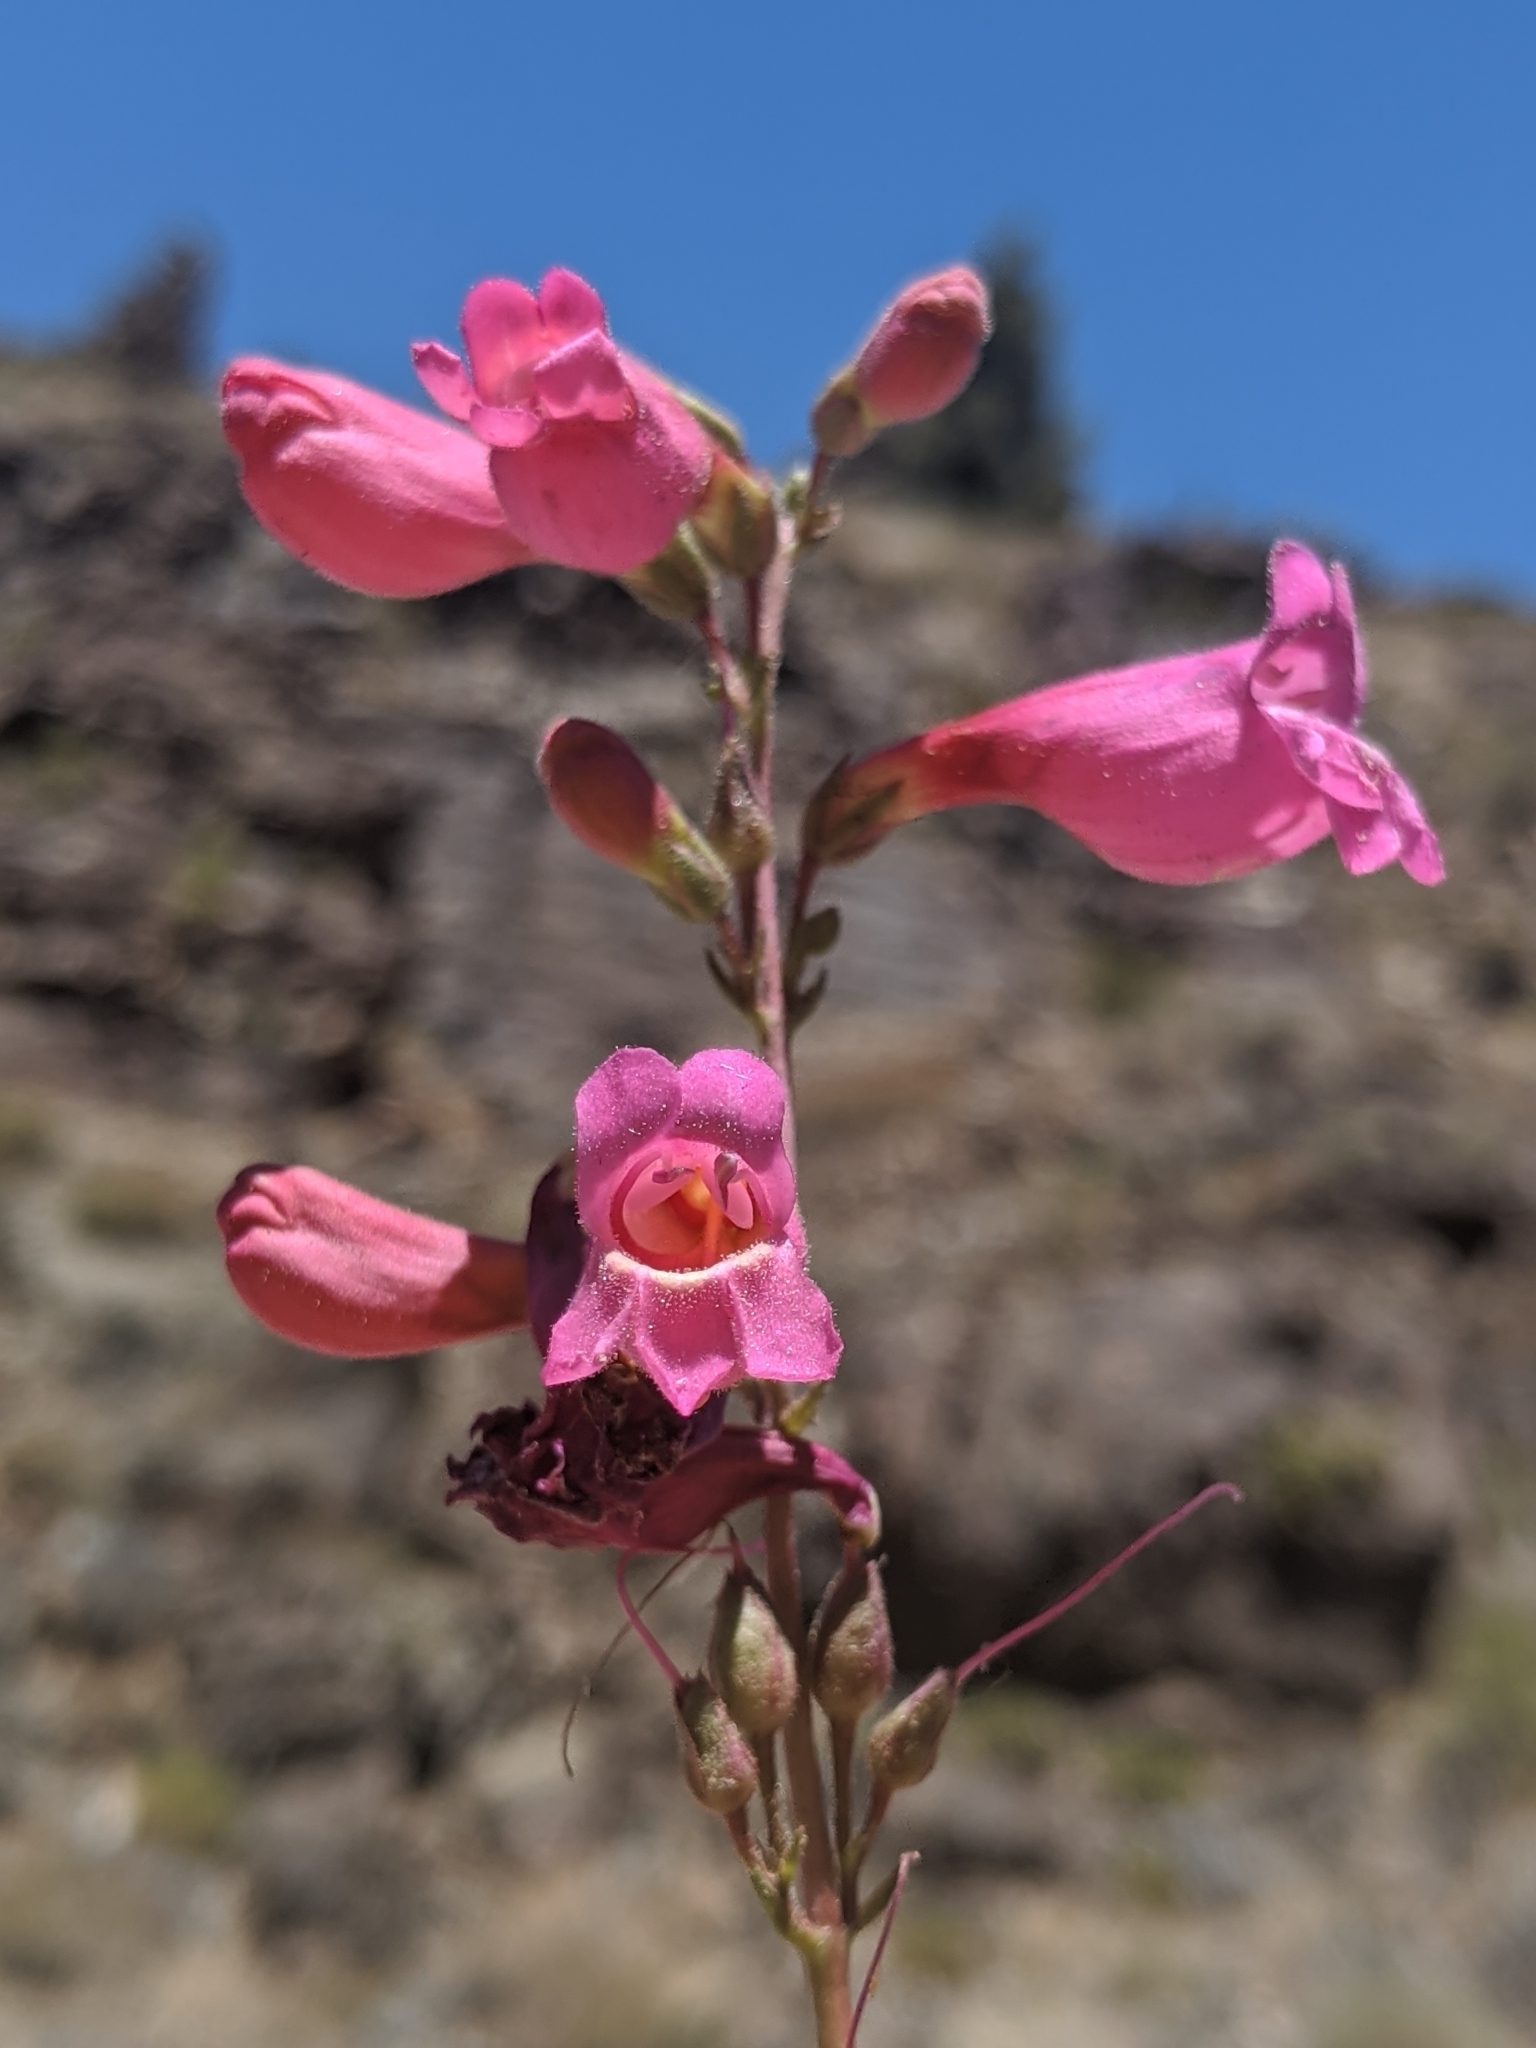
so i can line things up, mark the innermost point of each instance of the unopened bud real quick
(841, 422)
(717, 1758)
(719, 426)
(602, 790)
(751, 1659)
(904, 1744)
(922, 353)
(737, 519)
(676, 584)
(855, 807)
(740, 830)
(852, 1659)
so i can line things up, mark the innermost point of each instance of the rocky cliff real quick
(1117, 1190)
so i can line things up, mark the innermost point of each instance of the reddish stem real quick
(673, 1676)
(1015, 1636)
(903, 1872)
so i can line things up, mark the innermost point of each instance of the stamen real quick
(731, 1191)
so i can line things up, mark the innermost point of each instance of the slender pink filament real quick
(903, 1872)
(984, 1656)
(669, 1670)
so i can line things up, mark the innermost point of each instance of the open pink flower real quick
(1197, 768)
(370, 493)
(695, 1271)
(595, 460)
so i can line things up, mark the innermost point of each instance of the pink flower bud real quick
(695, 1271)
(750, 1657)
(717, 1758)
(370, 493)
(1195, 768)
(920, 357)
(596, 461)
(602, 790)
(853, 1659)
(904, 1744)
(329, 1267)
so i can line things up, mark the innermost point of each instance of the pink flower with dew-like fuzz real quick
(925, 346)
(338, 1271)
(922, 353)
(373, 494)
(595, 460)
(695, 1271)
(1197, 768)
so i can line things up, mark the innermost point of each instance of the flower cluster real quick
(665, 1270)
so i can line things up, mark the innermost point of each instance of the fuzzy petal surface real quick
(339, 1271)
(632, 1098)
(731, 1099)
(605, 495)
(1195, 768)
(375, 496)
(758, 1315)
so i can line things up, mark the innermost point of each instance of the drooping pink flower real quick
(922, 353)
(375, 495)
(609, 1463)
(1197, 768)
(596, 461)
(339, 1271)
(695, 1271)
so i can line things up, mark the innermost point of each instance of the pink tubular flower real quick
(370, 493)
(695, 1270)
(338, 1271)
(595, 460)
(1198, 768)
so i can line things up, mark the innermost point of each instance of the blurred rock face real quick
(1117, 1190)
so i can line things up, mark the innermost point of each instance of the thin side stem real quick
(768, 596)
(842, 1797)
(822, 1892)
(903, 1872)
(669, 1670)
(1222, 1490)
(767, 1755)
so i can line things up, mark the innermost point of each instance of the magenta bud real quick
(600, 787)
(750, 1657)
(737, 520)
(852, 1657)
(922, 354)
(717, 1758)
(904, 1744)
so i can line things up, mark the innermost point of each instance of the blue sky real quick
(1291, 247)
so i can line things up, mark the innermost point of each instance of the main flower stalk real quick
(760, 938)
